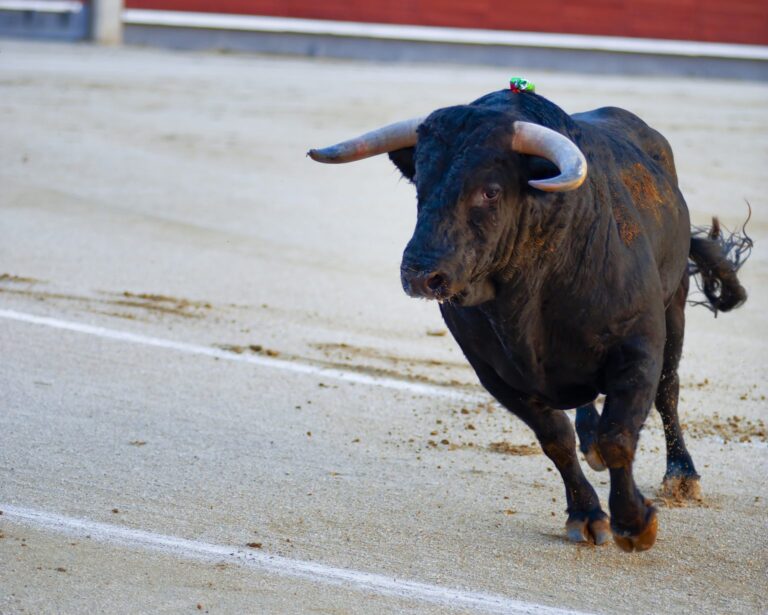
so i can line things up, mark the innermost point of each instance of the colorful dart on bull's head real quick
(518, 84)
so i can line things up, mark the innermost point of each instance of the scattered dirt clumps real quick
(504, 448)
(471, 427)
(251, 348)
(680, 491)
(437, 332)
(16, 279)
(351, 352)
(163, 304)
(349, 359)
(141, 303)
(732, 428)
(519, 450)
(379, 362)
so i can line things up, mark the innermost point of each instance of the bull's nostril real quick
(435, 282)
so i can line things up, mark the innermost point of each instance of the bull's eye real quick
(491, 193)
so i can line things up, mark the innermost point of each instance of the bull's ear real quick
(403, 160)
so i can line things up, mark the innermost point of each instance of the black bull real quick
(560, 265)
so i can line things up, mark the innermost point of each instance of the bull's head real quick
(470, 166)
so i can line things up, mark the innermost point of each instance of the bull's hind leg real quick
(587, 419)
(681, 480)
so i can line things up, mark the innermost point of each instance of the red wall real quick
(731, 21)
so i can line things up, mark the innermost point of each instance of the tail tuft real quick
(715, 258)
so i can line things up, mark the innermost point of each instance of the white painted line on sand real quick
(274, 564)
(262, 361)
(434, 34)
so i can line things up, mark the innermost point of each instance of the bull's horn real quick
(380, 141)
(538, 140)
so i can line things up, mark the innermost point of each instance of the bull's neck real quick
(554, 239)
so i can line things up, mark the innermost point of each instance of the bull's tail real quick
(715, 258)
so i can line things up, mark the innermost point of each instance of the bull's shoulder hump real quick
(611, 118)
(622, 126)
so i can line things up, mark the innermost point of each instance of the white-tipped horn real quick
(537, 140)
(386, 139)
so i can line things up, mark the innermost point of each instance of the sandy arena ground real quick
(167, 195)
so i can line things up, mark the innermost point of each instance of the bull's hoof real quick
(595, 459)
(594, 528)
(642, 541)
(681, 488)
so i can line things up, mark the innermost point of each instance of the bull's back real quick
(640, 176)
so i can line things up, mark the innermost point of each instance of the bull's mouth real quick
(456, 298)
(456, 295)
(465, 295)
(475, 293)
(449, 294)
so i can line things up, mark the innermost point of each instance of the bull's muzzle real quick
(426, 284)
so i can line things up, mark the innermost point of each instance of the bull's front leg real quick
(631, 380)
(586, 520)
